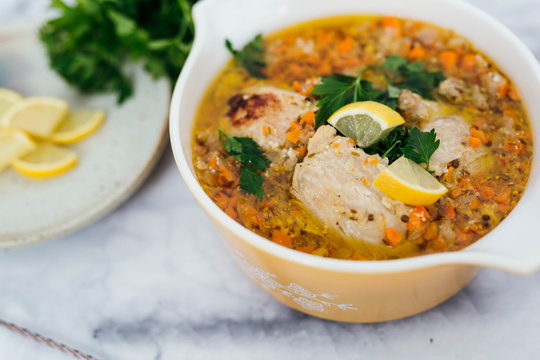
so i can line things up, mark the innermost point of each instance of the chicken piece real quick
(334, 183)
(453, 89)
(414, 108)
(453, 133)
(265, 113)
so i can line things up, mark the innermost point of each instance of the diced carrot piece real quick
(302, 151)
(231, 212)
(366, 160)
(226, 173)
(502, 90)
(365, 181)
(373, 160)
(222, 200)
(352, 141)
(515, 146)
(293, 135)
(487, 193)
(513, 93)
(308, 118)
(335, 145)
(417, 52)
(449, 212)
(393, 23)
(468, 62)
(234, 202)
(267, 130)
(449, 174)
(431, 231)
(503, 197)
(213, 162)
(306, 249)
(325, 68)
(345, 45)
(296, 86)
(250, 211)
(393, 237)
(509, 112)
(474, 141)
(417, 218)
(281, 238)
(448, 60)
(463, 237)
(475, 204)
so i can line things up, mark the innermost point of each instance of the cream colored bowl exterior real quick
(342, 290)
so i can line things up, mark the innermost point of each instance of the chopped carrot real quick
(431, 231)
(468, 62)
(302, 151)
(440, 243)
(234, 202)
(511, 113)
(213, 162)
(448, 60)
(345, 45)
(267, 130)
(365, 181)
(513, 93)
(325, 68)
(226, 173)
(474, 141)
(308, 118)
(294, 134)
(449, 212)
(393, 237)
(503, 197)
(373, 160)
(335, 145)
(475, 204)
(366, 160)
(250, 211)
(515, 146)
(449, 174)
(271, 202)
(352, 141)
(487, 193)
(231, 212)
(480, 122)
(222, 200)
(306, 249)
(417, 52)
(296, 86)
(281, 238)
(502, 90)
(463, 237)
(417, 217)
(392, 23)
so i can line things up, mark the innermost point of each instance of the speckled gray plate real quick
(112, 163)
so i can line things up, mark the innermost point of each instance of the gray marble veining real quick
(154, 281)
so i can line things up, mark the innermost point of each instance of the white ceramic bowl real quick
(354, 290)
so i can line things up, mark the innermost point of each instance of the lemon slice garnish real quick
(365, 122)
(45, 161)
(38, 115)
(13, 144)
(406, 181)
(7, 99)
(78, 125)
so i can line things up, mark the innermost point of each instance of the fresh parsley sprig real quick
(411, 143)
(252, 161)
(338, 90)
(89, 42)
(251, 56)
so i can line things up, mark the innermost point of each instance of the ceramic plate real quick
(112, 163)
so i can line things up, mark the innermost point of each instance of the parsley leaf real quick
(419, 146)
(411, 143)
(412, 76)
(252, 161)
(338, 90)
(250, 57)
(89, 42)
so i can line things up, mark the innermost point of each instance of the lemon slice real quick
(38, 115)
(13, 144)
(78, 125)
(406, 181)
(365, 122)
(46, 160)
(7, 99)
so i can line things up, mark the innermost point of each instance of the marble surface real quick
(154, 281)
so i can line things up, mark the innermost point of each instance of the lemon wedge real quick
(38, 115)
(7, 99)
(366, 122)
(78, 125)
(45, 161)
(13, 144)
(406, 181)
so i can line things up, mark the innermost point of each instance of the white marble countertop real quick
(154, 281)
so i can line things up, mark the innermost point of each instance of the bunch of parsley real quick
(90, 41)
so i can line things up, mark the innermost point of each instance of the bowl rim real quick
(472, 255)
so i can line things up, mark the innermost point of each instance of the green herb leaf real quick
(419, 146)
(391, 146)
(251, 56)
(89, 43)
(252, 161)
